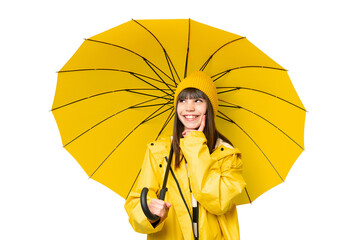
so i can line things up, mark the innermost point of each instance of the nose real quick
(189, 105)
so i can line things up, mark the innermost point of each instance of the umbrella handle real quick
(144, 192)
(144, 206)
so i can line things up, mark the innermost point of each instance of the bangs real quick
(191, 93)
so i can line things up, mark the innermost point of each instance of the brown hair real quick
(210, 131)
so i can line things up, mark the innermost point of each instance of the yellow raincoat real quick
(216, 183)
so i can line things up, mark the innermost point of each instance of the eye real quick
(199, 100)
(181, 100)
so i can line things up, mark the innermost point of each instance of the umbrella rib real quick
(158, 75)
(260, 91)
(221, 75)
(113, 115)
(171, 115)
(154, 85)
(126, 49)
(247, 194)
(85, 98)
(145, 120)
(113, 91)
(158, 113)
(230, 120)
(133, 184)
(212, 55)
(112, 69)
(221, 117)
(187, 52)
(168, 60)
(239, 107)
(151, 105)
(164, 97)
(242, 67)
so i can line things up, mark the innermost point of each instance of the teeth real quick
(190, 116)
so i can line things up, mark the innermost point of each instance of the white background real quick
(46, 195)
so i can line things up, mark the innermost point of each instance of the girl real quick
(205, 183)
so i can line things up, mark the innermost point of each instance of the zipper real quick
(182, 196)
(195, 218)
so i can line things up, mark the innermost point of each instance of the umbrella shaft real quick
(164, 189)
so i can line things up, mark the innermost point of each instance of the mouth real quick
(191, 117)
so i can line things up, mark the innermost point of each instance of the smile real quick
(190, 116)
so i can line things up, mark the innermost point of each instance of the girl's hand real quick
(159, 207)
(201, 127)
(202, 124)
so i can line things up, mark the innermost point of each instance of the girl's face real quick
(191, 111)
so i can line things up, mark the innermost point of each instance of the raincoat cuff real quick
(194, 134)
(154, 224)
(194, 141)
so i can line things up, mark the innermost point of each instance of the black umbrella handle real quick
(144, 206)
(144, 192)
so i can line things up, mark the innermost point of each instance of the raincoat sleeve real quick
(148, 178)
(216, 181)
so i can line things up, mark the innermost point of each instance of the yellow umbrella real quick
(115, 95)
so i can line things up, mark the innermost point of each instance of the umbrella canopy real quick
(115, 95)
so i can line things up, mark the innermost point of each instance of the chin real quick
(192, 127)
